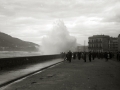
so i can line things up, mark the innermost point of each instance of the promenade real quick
(77, 75)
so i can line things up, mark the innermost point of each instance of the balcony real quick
(90, 42)
(95, 42)
(95, 47)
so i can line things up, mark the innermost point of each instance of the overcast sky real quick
(31, 20)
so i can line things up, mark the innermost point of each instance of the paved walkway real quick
(77, 75)
(13, 74)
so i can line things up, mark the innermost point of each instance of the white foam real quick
(58, 40)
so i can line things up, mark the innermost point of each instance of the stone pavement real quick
(77, 75)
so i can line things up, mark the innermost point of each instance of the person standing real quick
(69, 56)
(90, 56)
(84, 56)
(107, 56)
(79, 55)
(93, 55)
(74, 55)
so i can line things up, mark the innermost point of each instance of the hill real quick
(9, 43)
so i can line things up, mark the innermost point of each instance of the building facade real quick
(113, 44)
(98, 43)
(103, 43)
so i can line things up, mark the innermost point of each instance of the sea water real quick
(7, 54)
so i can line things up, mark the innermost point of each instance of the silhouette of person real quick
(74, 55)
(79, 55)
(69, 56)
(90, 55)
(84, 56)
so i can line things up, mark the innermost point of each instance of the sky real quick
(31, 20)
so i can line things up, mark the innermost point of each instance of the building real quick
(119, 42)
(113, 44)
(98, 43)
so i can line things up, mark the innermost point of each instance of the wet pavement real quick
(77, 75)
(6, 76)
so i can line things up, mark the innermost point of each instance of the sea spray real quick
(58, 40)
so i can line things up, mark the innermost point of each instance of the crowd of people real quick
(91, 55)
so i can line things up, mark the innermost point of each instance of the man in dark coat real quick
(93, 55)
(74, 55)
(69, 56)
(90, 55)
(84, 56)
(79, 55)
(107, 56)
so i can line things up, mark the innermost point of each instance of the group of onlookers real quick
(91, 55)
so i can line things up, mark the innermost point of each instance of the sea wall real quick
(18, 61)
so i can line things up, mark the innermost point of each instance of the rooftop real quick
(100, 36)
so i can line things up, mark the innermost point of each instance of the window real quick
(89, 40)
